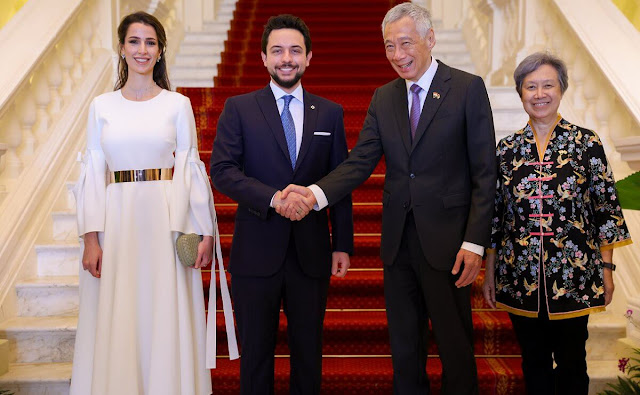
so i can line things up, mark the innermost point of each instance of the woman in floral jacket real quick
(557, 220)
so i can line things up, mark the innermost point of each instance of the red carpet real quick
(348, 64)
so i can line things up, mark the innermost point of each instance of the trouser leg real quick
(257, 303)
(407, 320)
(570, 355)
(305, 300)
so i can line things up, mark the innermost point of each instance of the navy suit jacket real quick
(446, 175)
(250, 163)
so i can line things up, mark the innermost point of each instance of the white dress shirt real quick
(425, 83)
(296, 107)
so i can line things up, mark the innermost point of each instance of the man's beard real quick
(288, 83)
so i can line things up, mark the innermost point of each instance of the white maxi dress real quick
(141, 326)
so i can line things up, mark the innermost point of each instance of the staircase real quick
(347, 65)
(199, 53)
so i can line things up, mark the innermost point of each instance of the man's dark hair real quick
(286, 21)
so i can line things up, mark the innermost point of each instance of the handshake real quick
(294, 202)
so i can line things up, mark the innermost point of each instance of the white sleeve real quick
(192, 209)
(90, 189)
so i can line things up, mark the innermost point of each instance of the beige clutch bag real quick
(187, 248)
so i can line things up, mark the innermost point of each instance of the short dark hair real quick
(532, 62)
(286, 21)
(160, 75)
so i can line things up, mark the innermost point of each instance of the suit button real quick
(405, 205)
(412, 176)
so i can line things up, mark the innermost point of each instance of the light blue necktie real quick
(289, 129)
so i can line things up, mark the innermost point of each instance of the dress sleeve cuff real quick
(616, 245)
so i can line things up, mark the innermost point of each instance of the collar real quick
(278, 93)
(425, 81)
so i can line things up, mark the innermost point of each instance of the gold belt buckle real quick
(140, 175)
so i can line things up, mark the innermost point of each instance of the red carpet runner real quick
(348, 64)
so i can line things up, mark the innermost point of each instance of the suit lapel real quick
(437, 92)
(269, 108)
(401, 111)
(309, 126)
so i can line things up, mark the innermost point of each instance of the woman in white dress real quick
(141, 326)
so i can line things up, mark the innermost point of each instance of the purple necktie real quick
(414, 117)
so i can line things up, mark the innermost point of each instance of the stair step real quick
(218, 27)
(373, 376)
(204, 38)
(193, 83)
(180, 73)
(367, 333)
(48, 296)
(605, 331)
(62, 259)
(200, 49)
(40, 339)
(197, 61)
(38, 378)
(65, 226)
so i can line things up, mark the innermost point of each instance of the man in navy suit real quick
(266, 140)
(434, 126)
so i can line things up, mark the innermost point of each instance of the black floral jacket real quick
(554, 213)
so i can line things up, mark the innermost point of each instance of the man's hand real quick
(340, 264)
(294, 202)
(472, 265)
(205, 252)
(609, 287)
(92, 255)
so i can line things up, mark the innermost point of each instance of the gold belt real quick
(141, 175)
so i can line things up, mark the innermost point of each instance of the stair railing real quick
(57, 56)
(49, 77)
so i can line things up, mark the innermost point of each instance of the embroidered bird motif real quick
(545, 222)
(559, 242)
(523, 241)
(580, 178)
(561, 160)
(592, 244)
(544, 174)
(558, 292)
(578, 137)
(597, 290)
(578, 262)
(507, 179)
(619, 220)
(578, 224)
(563, 193)
(517, 163)
(509, 259)
(521, 194)
(530, 288)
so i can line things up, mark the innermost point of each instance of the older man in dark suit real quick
(435, 129)
(266, 140)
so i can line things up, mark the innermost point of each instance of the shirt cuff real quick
(476, 249)
(272, 197)
(321, 199)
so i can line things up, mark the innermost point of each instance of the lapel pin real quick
(436, 95)
(313, 107)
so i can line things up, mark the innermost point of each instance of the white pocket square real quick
(322, 133)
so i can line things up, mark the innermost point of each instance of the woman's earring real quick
(122, 56)
(159, 57)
